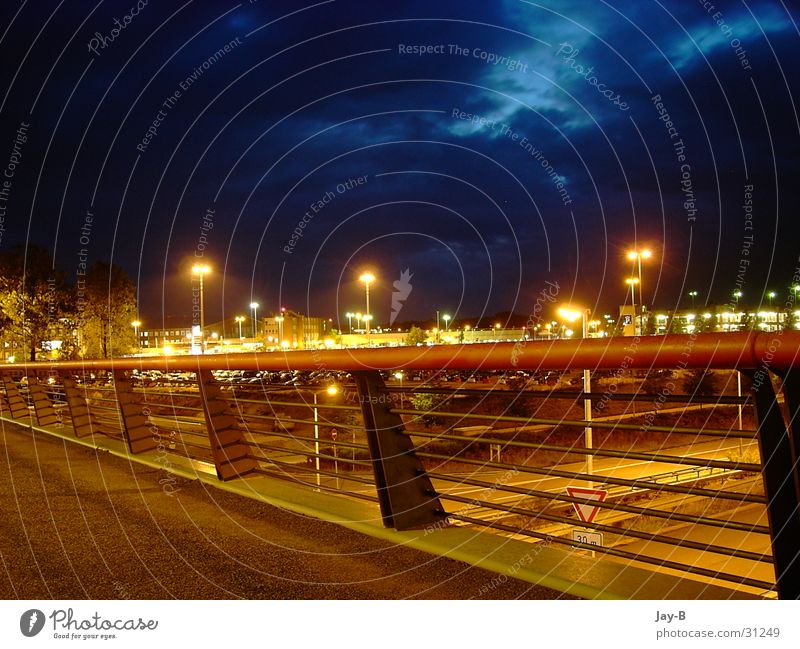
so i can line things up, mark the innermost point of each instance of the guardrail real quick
(695, 494)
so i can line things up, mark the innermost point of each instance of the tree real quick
(106, 307)
(32, 298)
(700, 382)
(415, 336)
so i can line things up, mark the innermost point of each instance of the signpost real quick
(587, 513)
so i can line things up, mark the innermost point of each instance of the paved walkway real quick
(77, 523)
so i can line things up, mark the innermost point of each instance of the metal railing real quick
(706, 488)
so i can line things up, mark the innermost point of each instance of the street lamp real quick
(239, 320)
(358, 317)
(349, 317)
(446, 319)
(201, 270)
(571, 314)
(367, 278)
(136, 324)
(771, 296)
(331, 390)
(693, 295)
(254, 306)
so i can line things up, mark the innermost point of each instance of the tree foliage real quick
(90, 319)
(32, 299)
(415, 336)
(700, 382)
(106, 309)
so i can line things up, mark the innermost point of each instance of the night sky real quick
(500, 145)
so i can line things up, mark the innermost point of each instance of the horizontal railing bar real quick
(623, 482)
(664, 563)
(301, 404)
(630, 509)
(647, 536)
(708, 351)
(733, 466)
(600, 452)
(350, 476)
(151, 404)
(322, 456)
(326, 423)
(721, 400)
(362, 447)
(582, 423)
(295, 479)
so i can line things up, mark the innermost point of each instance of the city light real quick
(239, 320)
(332, 390)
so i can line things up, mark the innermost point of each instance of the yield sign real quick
(586, 512)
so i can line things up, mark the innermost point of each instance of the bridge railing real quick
(637, 471)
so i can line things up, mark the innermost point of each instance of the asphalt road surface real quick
(78, 524)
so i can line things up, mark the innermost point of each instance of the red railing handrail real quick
(745, 350)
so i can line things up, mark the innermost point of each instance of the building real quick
(293, 330)
(719, 318)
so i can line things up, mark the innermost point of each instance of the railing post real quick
(83, 421)
(139, 435)
(231, 457)
(42, 404)
(405, 493)
(781, 486)
(15, 402)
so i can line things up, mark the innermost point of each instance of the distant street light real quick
(254, 306)
(358, 317)
(367, 278)
(771, 296)
(693, 295)
(349, 317)
(240, 319)
(446, 319)
(201, 270)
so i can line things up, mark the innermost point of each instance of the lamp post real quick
(279, 320)
(693, 295)
(632, 282)
(254, 306)
(367, 278)
(136, 324)
(571, 314)
(358, 317)
(331, 390)
(349, 317)
(446, 319)
(637, 256)
(202, 270)
(239, 320)
(399, 377)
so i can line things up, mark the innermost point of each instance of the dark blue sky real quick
(565, 160)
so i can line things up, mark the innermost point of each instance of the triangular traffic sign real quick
(586, 512)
